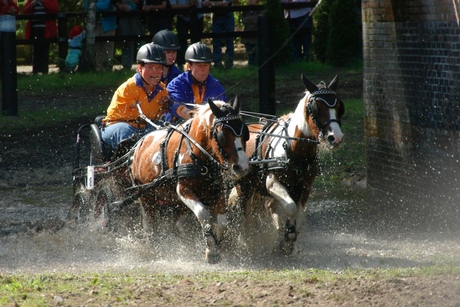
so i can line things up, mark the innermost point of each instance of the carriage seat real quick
(100, 151)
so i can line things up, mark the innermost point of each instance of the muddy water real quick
(34, 238)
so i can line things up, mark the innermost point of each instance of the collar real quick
(140, 82)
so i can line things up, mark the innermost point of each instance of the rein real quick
(204, 151)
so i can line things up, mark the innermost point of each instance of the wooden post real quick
(8, 65)
(62, 39)
(267, 101)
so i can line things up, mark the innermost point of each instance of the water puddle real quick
(338, 234)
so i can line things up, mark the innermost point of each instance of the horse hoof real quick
(286, 247)
(212, 257)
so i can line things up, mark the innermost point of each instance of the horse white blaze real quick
(335, 133)
(242, 159)
(281, 195)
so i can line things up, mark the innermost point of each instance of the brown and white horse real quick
(283, 154)
(189, 165)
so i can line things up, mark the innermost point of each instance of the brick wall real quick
(412, 105)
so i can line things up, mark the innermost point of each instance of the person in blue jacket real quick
(170, 43)
(195, 85)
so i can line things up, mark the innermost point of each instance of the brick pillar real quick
(412, 105)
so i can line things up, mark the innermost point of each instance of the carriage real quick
(196, 164)
(177, 165)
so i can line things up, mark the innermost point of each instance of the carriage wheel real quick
(79, 212)
(102, 208)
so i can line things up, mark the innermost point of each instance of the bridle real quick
(312, 108)
(220, 136)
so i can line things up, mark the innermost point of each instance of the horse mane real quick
(204, 119)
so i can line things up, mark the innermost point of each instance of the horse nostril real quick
(237, 169)
(331, 139)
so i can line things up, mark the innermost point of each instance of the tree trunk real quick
(88, 60)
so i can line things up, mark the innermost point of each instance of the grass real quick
(41, 289)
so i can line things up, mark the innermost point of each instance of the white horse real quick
(283, 154)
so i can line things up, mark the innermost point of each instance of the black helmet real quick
(198, 52)
(151, 53)
(166, 39)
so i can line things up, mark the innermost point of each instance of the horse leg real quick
(204, 217)
(236, 207)
(282, 199)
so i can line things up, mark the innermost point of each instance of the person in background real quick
(8, 7)
(76, 37)
(250, 24)
(195, 85)
(160, 21)
(130, 25)
(183, 25)
(39, 29)
(105, 26)
(144, 88)
(222, 23)
(301, 41)
(170, 43)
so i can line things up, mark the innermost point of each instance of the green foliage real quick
(345, 42)
(337, 35)
(281, 44)
(321, 30)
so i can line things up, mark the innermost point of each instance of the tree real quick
(337, 37)
(89, 51)
(321, 30)
(281, 43)
(344, 41)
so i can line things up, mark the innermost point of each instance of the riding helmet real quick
(151, 53)
(166, 39)
(198, 52)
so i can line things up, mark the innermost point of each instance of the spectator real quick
(222, 23)
(170, 43)
(195, 85)
(159, 21)
(76, 37)
(39, 29)
(105, 26)
(250, 24)
(301, 41)
(8, 7)
(144, 88)
(183, 25)
(128, 26)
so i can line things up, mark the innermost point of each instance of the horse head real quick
(229, 135)
(325, 111)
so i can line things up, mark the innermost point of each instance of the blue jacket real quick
(181, 92)
(174, 71)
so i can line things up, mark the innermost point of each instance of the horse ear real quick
(311, 87)
(215, 109)
(334, 83)
(236, 104)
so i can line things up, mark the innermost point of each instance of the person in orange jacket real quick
(41, 28)
(123, 119)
